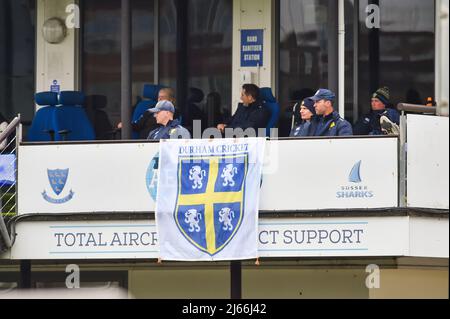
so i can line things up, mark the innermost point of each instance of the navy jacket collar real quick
(330, 116)
(257, 103)
(173, 123)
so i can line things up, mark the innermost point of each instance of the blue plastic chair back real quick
(43, 121)
(72, 117)
(150, 93)
(271, 103)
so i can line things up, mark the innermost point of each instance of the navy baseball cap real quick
(324, 94)
(163, 106)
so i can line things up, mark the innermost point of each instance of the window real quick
(308, 51)
(209, 53)
(404, 61)
(168, 43)
(399, 55)
(199, 55)
(102, 50)
(17, 58)
(88, 279)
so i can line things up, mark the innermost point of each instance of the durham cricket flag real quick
(208, 199)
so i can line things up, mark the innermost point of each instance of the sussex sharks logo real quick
(58, 180)
(355, 189)
(355, 174)
(210, 200)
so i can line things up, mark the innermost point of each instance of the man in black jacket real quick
(251, 113)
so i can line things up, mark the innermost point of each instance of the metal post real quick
(182, 57)
(25, 274)
(156, 43)
(236, 279)
(126, 70)
(276, 50)
(333, 50)
(355, 60)
(402, 187)
(341, 55)
(18, 141)
(8, 54)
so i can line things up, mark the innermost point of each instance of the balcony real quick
(343, 197)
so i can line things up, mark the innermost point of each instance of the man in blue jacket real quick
(250, 114)
(330, 123)
(382, 119)
(169, 128)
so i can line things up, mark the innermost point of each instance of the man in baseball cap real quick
(324, 94)
(330, 123)
(169, 128)
(163, 106)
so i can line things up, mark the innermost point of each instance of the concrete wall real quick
(56, 61)
(279, 282)
(291, 283)
(303, 279)
(412, 284)
(180, 283)
(253, 14)
(257, 282)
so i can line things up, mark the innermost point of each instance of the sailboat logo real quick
(355, 174)
(356, 189)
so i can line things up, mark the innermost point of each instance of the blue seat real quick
(71, 120)
(43, 126)
(150, 93)
(271, 103)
